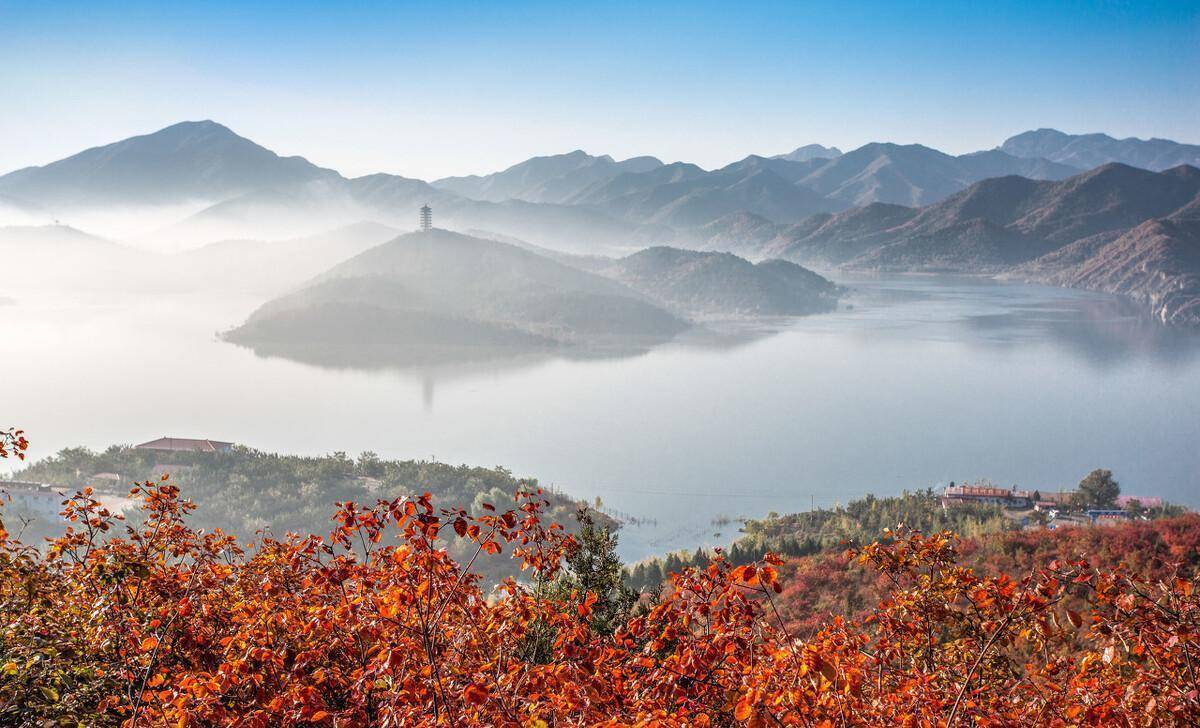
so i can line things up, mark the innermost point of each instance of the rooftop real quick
(185, 444)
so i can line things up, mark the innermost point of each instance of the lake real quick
(924, 380)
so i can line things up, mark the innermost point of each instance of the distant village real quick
(1049, 509)
(45, 500)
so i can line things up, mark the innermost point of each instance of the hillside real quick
(60, 254)
(992, 225)
(245, 491)
(821, 580)
(1156, 264)
(721, 284)
(825, 584)
(272, 266)
(1093, 150)
(441, 295)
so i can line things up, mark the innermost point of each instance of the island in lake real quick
(435, 295)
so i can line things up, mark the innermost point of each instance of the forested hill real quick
(439, 295)
(826, 583)
(244, 491)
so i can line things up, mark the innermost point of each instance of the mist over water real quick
(924, 380)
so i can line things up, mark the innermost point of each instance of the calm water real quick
(925, 380)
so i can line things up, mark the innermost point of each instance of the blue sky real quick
(435, 88)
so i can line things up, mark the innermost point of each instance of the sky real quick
(429, 89)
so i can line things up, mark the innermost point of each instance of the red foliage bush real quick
(377, 625)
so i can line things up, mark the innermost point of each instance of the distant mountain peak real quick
(199, 124)
(810, 151)
(1086, 151)
(186, 161)
(550, 179)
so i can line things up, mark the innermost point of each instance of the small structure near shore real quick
(986, 495)
(37, 499)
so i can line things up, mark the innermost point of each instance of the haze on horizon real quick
(468, 88)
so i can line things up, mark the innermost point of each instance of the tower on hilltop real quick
(426, 218)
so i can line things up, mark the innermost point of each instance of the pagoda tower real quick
(426, 218)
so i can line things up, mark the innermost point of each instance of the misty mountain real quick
(272, 266)
(683, 195)
(573, 202)
(741, 233)
(42, 239)
(792, 171)
(784, 191)
(1092, 150)
(442, 295)
(629, 184)
(809, 152)
(17, 212)
(269, 214)
(253, 193)
(1116, 228)
(35, 255)
(394, 200)
(545, 179)
(721, 284)
(192, 160)
(995, 223)
(915, 175)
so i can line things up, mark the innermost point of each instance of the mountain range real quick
(881, 206)
(553, 179)
(572, 201)
(1092, 150)
(1115, 228)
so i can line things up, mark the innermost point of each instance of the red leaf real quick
(475, 694)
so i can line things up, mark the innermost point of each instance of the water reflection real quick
(916, 380)
(1102, 331)
(432, 369)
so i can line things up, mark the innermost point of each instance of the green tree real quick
(1098, 489)
(594, 567)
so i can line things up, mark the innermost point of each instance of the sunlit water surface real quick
(923, 381)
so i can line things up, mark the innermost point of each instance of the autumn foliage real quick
(159, 624)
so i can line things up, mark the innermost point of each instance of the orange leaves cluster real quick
(13, 443)
(377, 625)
